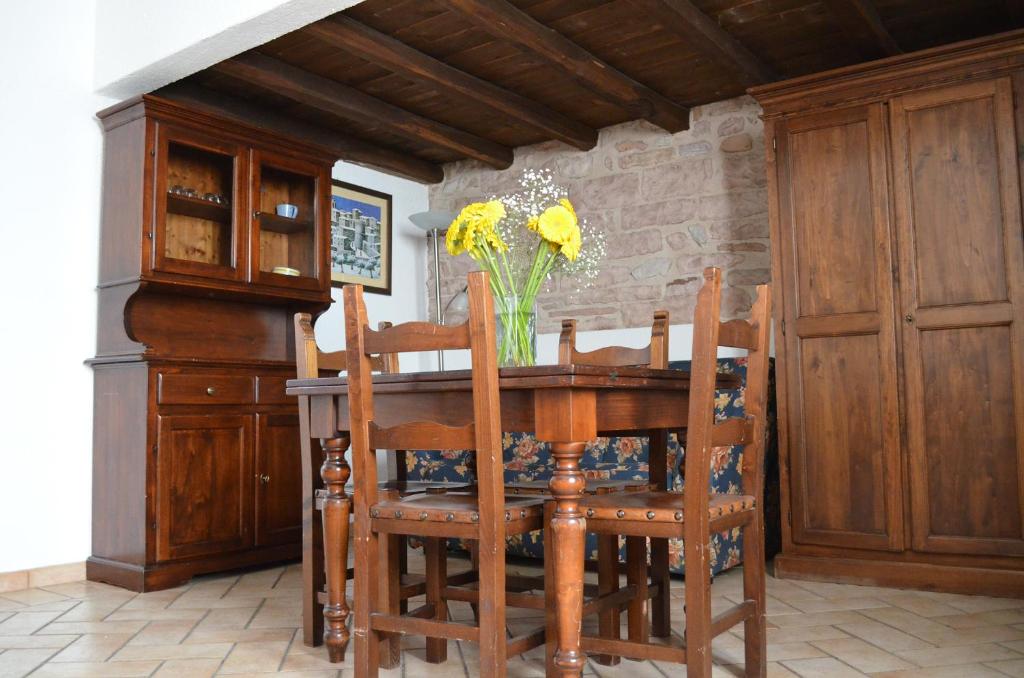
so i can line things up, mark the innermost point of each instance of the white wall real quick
(409, 264)
(147, 44)
(49, 189)
(680, 343)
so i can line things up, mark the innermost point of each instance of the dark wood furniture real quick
(566, 405)
(196, 446)
(898, 260)
(695, 514)
(334, 471)
(655, 356)
(484, 516)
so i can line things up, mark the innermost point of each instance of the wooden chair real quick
(696, 513)
(485, 515)
(654, 355)
(310, 362)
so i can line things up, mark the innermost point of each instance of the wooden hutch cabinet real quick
(196, 446)
(898, 262)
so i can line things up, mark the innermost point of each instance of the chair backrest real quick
(310, 360)
(654, 355)
(749, 431)
(482, 434)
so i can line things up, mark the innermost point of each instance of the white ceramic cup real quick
(287, 210)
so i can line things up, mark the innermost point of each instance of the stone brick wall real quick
(670, 205)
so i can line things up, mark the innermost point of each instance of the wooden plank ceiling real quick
(408, 85)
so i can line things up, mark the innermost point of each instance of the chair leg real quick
(698, 608)
(337, 505)
(636, 576)
(391, 591)
(437, 578)
(403, 569)
(550, 600)
(493, 640)
(474, 559)
(661, 620)
(754, 636)
(366, 597)
(608, 582)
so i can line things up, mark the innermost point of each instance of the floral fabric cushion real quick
(616, 458)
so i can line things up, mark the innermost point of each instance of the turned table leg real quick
(337, 507)
(568, 529)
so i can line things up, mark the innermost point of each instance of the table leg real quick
(312, 534)
(568, 529)
(337, 507)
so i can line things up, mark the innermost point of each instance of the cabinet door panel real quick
(278, 480)
(962, 267)
(204, 481)
(841, 390)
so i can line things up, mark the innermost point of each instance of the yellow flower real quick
(558, 225)
(564, 202)
(478, 218)
(571, 248)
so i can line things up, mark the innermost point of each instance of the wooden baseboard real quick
(160, 576)
(895, 574)
(41, 576)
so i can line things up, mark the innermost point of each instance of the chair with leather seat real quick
(310, 363)
(696, 512)
(484, 515)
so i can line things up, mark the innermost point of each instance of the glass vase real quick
(517, 332)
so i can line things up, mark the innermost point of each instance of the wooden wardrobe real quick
(898, 265)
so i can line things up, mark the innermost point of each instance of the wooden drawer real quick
(270, 391)
(205, 389)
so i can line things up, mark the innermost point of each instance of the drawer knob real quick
(264, 479)
(211, 391)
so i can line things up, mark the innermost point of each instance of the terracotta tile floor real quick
(247, 624)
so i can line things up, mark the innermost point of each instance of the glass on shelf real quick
(287, 225)
(198, 225)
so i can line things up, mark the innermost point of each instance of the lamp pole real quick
(437, 292)
(435, 223)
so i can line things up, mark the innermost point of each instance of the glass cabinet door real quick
(198, 205)
(286, 238)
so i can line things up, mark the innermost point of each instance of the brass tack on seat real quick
(650, 515)
(423, 516)
(620, 514)
(398, 514)
(508, 515)
(522, 514)
(375, 513)
(449, 517)
(590, 513)
(678, 515)
(475, 517)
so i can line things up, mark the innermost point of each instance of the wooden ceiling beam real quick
(343, 146)
(861, 22)
(376, 47)
(708, 38)
(506, 22)
(349, 103)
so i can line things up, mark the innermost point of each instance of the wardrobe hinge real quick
(774, 145)
(782, 327)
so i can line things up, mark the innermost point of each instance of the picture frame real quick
(360, 243)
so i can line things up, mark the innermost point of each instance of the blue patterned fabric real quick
(615, 458)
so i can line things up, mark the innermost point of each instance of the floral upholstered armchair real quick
(625, 459)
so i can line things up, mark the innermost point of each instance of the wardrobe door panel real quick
(841, 390)
(962, 277)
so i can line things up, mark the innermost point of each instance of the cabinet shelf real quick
(278, 224)
(197, 207)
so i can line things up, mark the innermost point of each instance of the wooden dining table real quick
(564, 405)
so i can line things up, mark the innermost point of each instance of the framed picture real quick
(360, 237)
